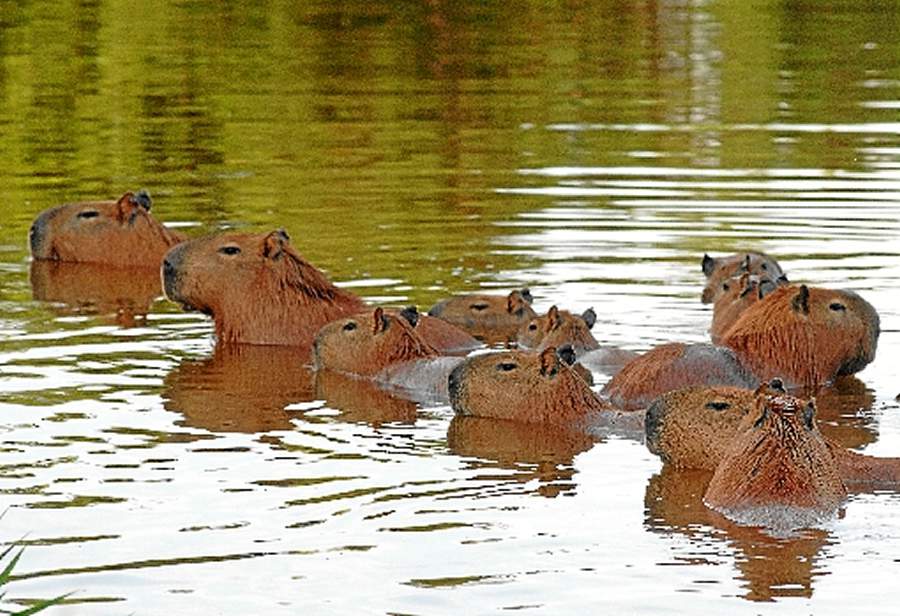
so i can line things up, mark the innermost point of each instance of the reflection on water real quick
(590, 151)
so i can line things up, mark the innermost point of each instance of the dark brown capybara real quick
(491, 318)
(738, 294)
(719, 269)
(805, 335)
(260, 290)
(119, 233)
(385, 348)
(778, 472)
(533, 388)
(123, 293)
(674, 366)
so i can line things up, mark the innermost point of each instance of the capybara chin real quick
(719, 269)
(674, 366)
(738, 294)
(121, 232)
(805, 335)
(778, 472)
(260, 290)
(492, 318)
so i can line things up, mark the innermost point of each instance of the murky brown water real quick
(592, 151)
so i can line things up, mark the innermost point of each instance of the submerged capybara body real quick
(492, 318)
(719, 269)
(674, 366)
(807, 336)
(120, 233)
(738, 294)
(260, 290)
(778, 471)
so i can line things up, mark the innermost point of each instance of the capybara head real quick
(558, 328)
(778, 470)
(719, 269)
(368, 342)
(806, 335)
(523, 386)
(738, 294)
(119, 232)
(489, 317)
(674, 366)
(256, 286)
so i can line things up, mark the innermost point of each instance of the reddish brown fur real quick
(367, 343)
(360, 400)
(522, 386)
(737, 295)
(778, 458)
(121, 233)
(673, 366)
(557, 328)
(718, 270)
(493, 318)
(806, 343)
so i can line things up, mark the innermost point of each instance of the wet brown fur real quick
(806, 343)
(557, 328)
(492, 318)
(738, 294)
(121, 233)
(718, 270)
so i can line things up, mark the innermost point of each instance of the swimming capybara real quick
(674, 366)
(719, 269)
(778, 471)
(260, 290)
(535, 388)
(121, 233)
(491, 318)
(738, 294)
(805, 335)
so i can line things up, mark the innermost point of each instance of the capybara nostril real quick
(653, 422)
(36, 235)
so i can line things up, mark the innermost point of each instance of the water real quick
(592, 151)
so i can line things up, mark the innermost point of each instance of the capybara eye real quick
(88, 214)
(837, 306)
(532, 327)
(349, 326)
(479, 306)
(506, 366)
(764, 266)
(229, 250)
(718, 406)
(725, 286)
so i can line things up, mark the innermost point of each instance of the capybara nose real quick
(170, 278)
(453, 384)
(653, 424)
(36, 236)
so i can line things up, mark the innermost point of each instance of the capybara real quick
(121, 233)
(260, 290)
(693, 427)
(738, 294)
(719, 269)
(558, 328)
(491, 318)
(386, 348)
(674, 366)
(778, 471)
(805, 335)
(535, 388)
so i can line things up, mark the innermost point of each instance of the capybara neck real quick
(738, 294)
(807, 336)
(778, 471)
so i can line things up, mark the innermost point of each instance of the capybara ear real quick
(708, 264)
(526, 295)
(411, 314)
(274, 243)
(553, 319)
(142, 198)
(590, 317)
(380, 321)
(516, 303)
(567, 354)
(809, 414)
(745, 264)
(800, 303)
(125, 207)
(549, 362)
(783, 279)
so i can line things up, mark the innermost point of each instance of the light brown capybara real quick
(260, 290)
(491, 318)
(805, 335)
(719, 269)
(693, 427)
(738, 294)
(385, 348)
(533, 388)
(120, 233)
(674, 366)
(778, 471)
